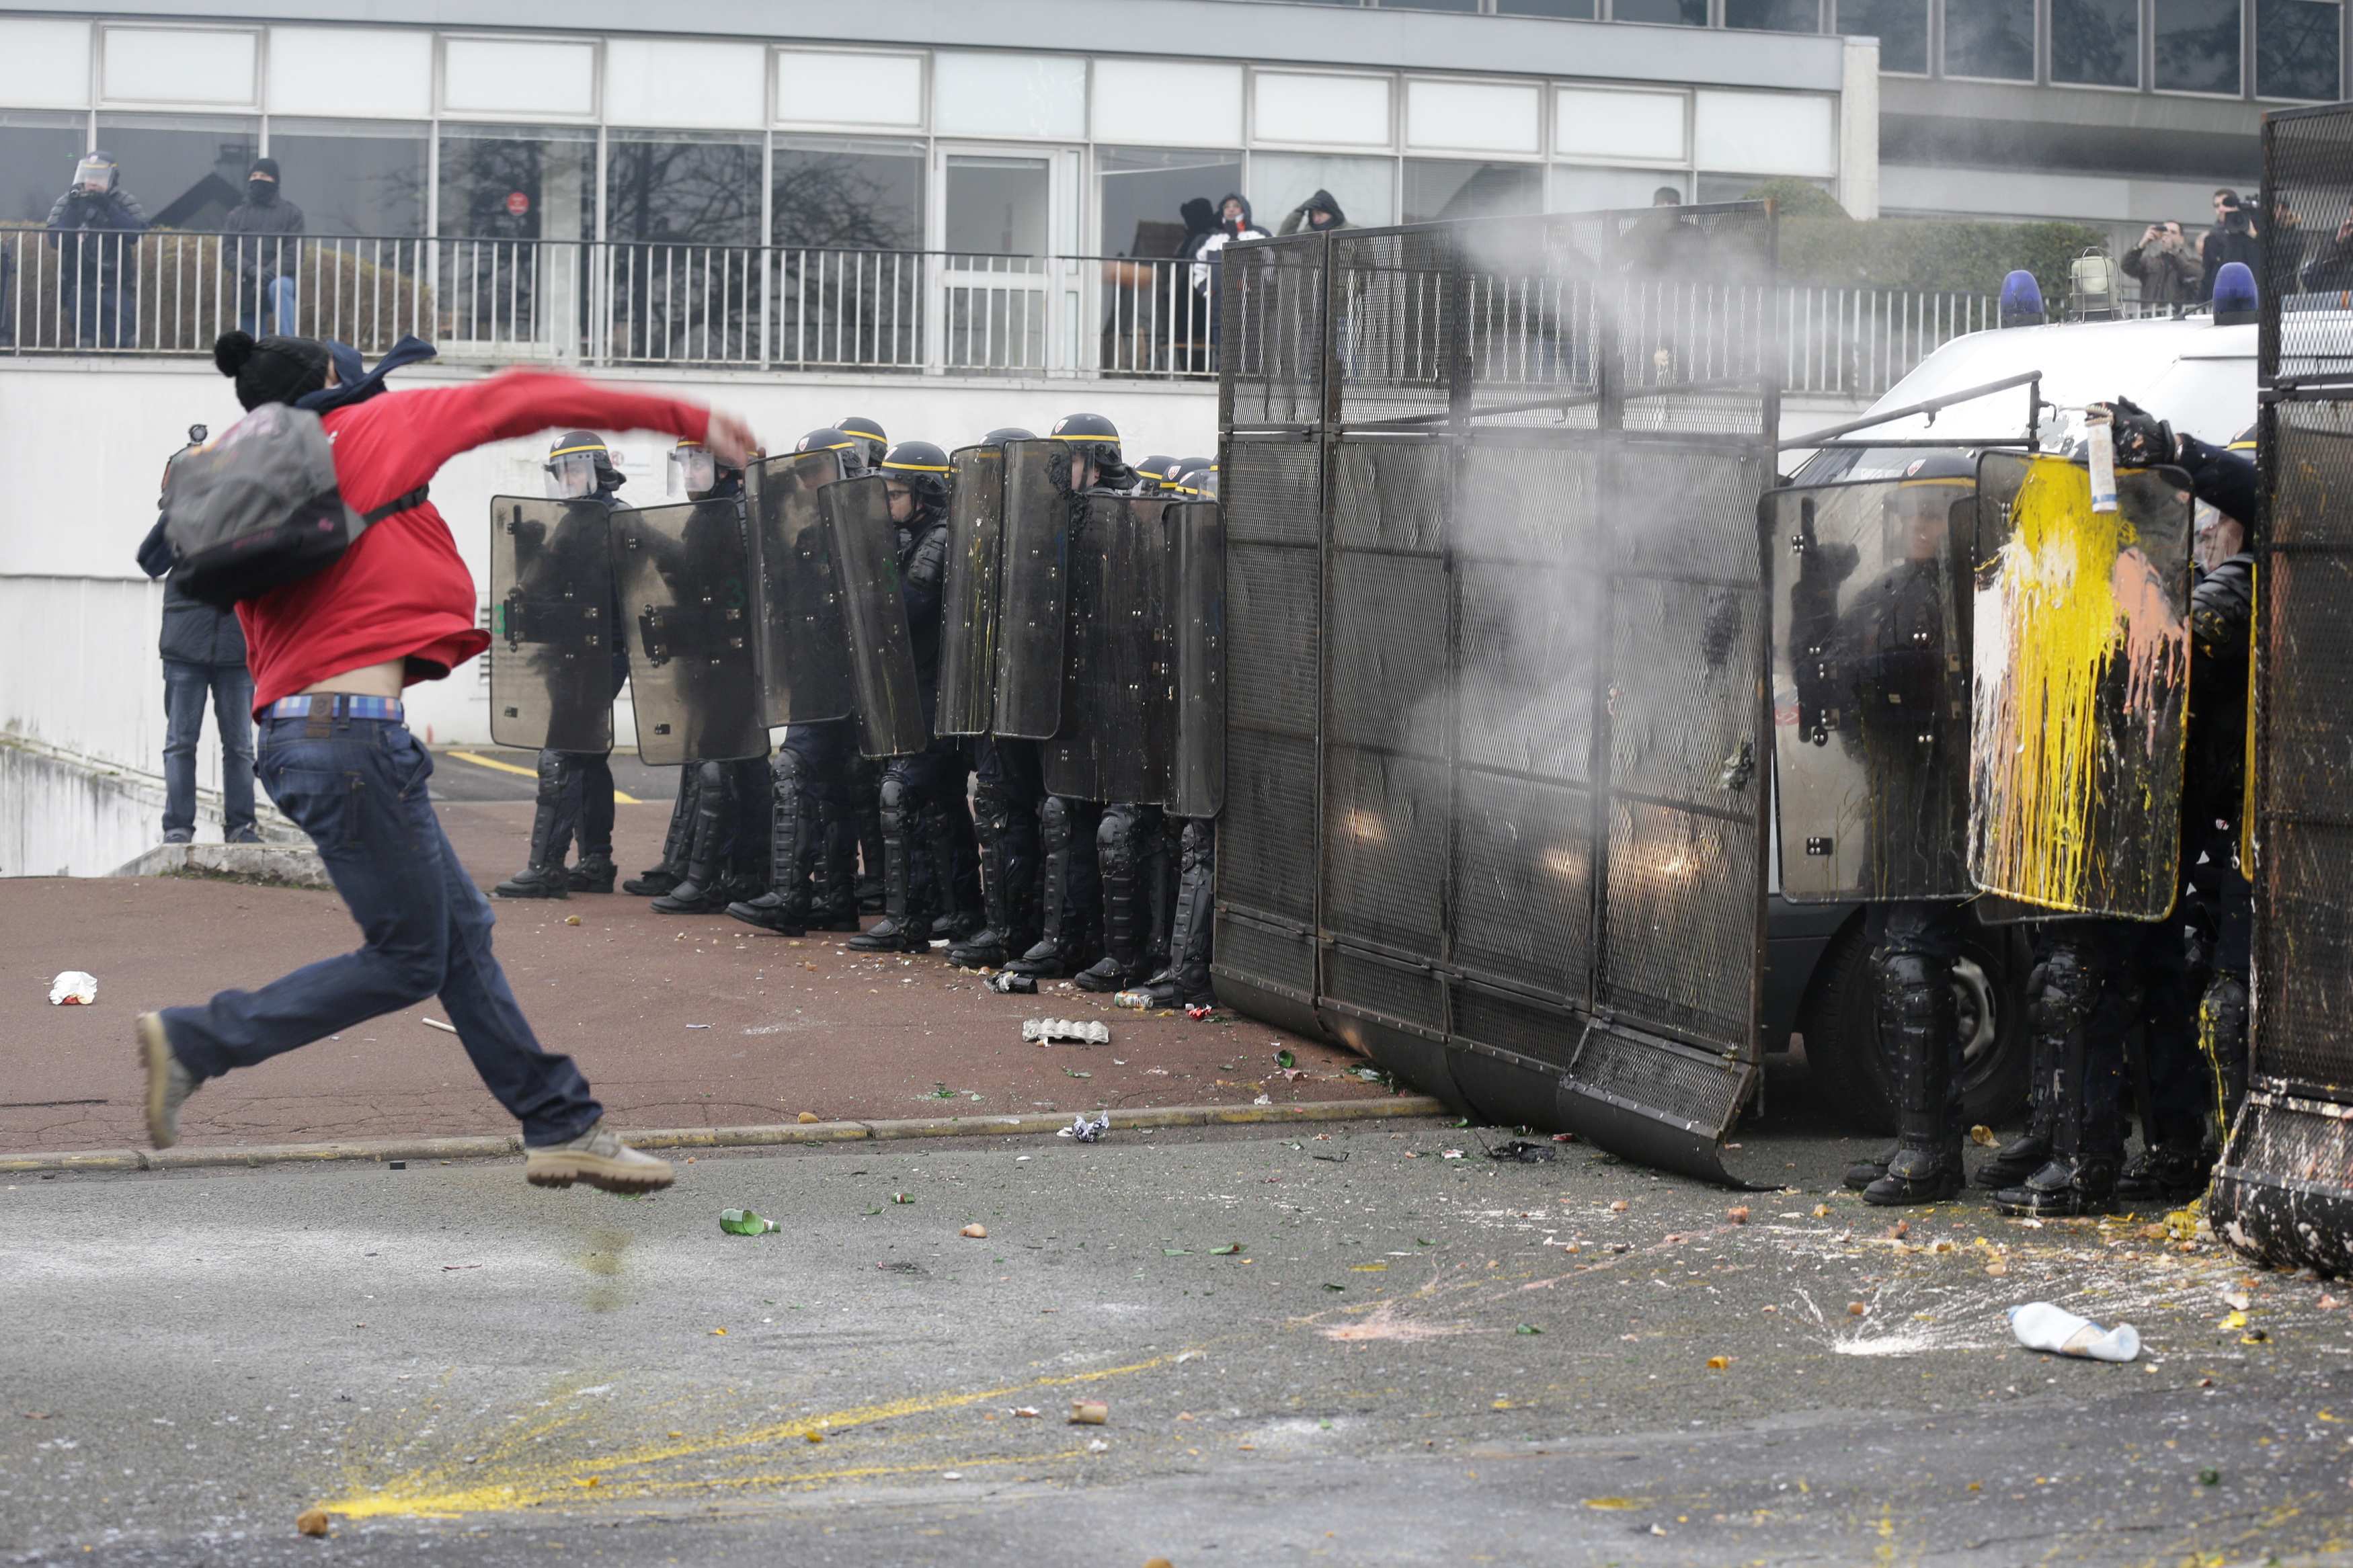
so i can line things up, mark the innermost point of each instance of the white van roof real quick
(2190, 370)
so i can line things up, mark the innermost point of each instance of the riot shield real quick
(1032, 619)
(891, 719)
(1871, 687)
(2081, 654)
(968, 598)
(687, 593)
(551, 624)
(1195, 606)
(1114, 743)
(804, 647)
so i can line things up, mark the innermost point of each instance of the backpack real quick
(259, 507)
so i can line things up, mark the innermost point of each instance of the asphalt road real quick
(1408, 1359)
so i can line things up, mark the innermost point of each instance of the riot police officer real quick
(1073, 892)
(1182, 934)
(865, 772)
(1152, 475)
(575, 788)
(813, 831)
(915, 788)
(726, 843)
(1009, 789)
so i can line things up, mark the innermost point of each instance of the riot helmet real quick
(1152, 475)
(829, 439)
(872, 444)
(1919, 509)
(97, 173)
(923, 471)
(2244, 441)
(1091, 441)
(1003, 433)
(696, 472)
(578, 466)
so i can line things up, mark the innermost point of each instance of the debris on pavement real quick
(1198, 1013)
(743, 1222)
(1526, 1152)
(807, 1118)
(1137, 999)
(1089, 1413)
(1285, 1059)
(572, 920)
(2041, 1326)
(312, 1522)
(1087, 1131)
(73, 989)
(1737, 1216)
(438, 1024)
(1098, 1447)
(1008, 983)
(974, 1233)
(1051, 1031)
(1027, 1412)
(1982, 1136)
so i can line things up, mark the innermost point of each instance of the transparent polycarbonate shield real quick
(1196, 619)
(968, 598)
(804, 647)
(2080, 644)
(687, 599)
(1114, 743)
(551, 624)
(881, 658)
(1871, 687)
(1033, 620)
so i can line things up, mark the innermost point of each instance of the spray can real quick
(2100, 432)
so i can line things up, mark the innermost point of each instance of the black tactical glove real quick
(2143, 440)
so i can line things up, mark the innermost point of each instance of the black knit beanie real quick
(274, 370)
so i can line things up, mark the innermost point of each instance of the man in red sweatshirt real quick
(331, 654)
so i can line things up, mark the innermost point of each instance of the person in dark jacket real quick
(1319, 213)
(203, 656)
(2232, 239)
(95, 226)
(2330, 270)
(266, 263)
(2161, 262)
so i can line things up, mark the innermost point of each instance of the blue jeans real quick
(359, 791)
(280, 292)
(185, 687)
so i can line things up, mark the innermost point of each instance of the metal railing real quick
(784, 308)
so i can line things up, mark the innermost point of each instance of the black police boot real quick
(906, 924)
(2029, 1152)
(591, 874)
(866, 806)
(987, 948)
(1862, 1172)
(1118, 852)
(701, 894)
(1918, 1039)
(1184, 983)
(551, 835)
(1066, 936)
(2223, 1040)
(793, 829)
(2168, 1173)
(677, 843)
(2087, 1088)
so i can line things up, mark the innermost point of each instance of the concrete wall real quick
(84, 441)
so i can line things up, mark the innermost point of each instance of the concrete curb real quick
(500, 1145)
(278, 865)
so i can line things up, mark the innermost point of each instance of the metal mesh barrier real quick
(1495, 656)
(2283, 1191)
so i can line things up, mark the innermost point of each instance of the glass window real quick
(1144, 195)
(38, 154)
(1363, 187)
(995, 207)
(1990, 39)
(353, 176)
(1578, 189)
(850, 195)
(1437, 189)
(518, 182)
(1470, 6)
(1575, 10)
(1900, 26)
(2296, 45)
(2095, 42)
(187, 172)
(1742, 187)
(683, 187)
(2197, 46)
(1666, 12)
(1774, 16)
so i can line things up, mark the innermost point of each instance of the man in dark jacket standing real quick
(96, 227)
(2232, 239)
(2167, 273)
(266, 264)
(203, 656)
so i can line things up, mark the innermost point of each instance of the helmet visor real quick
(93, 174)
(571, 475)
(693, 471)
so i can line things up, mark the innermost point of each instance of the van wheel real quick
(1841, 1025)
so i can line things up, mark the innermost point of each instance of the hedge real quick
(1820, 245)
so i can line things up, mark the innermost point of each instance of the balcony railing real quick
(782, 308)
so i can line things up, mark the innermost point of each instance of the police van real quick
(2196, 371)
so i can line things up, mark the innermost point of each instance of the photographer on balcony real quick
(267, 253)
(96, 227)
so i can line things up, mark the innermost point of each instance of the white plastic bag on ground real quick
(2040, 1326)
(73, 989)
